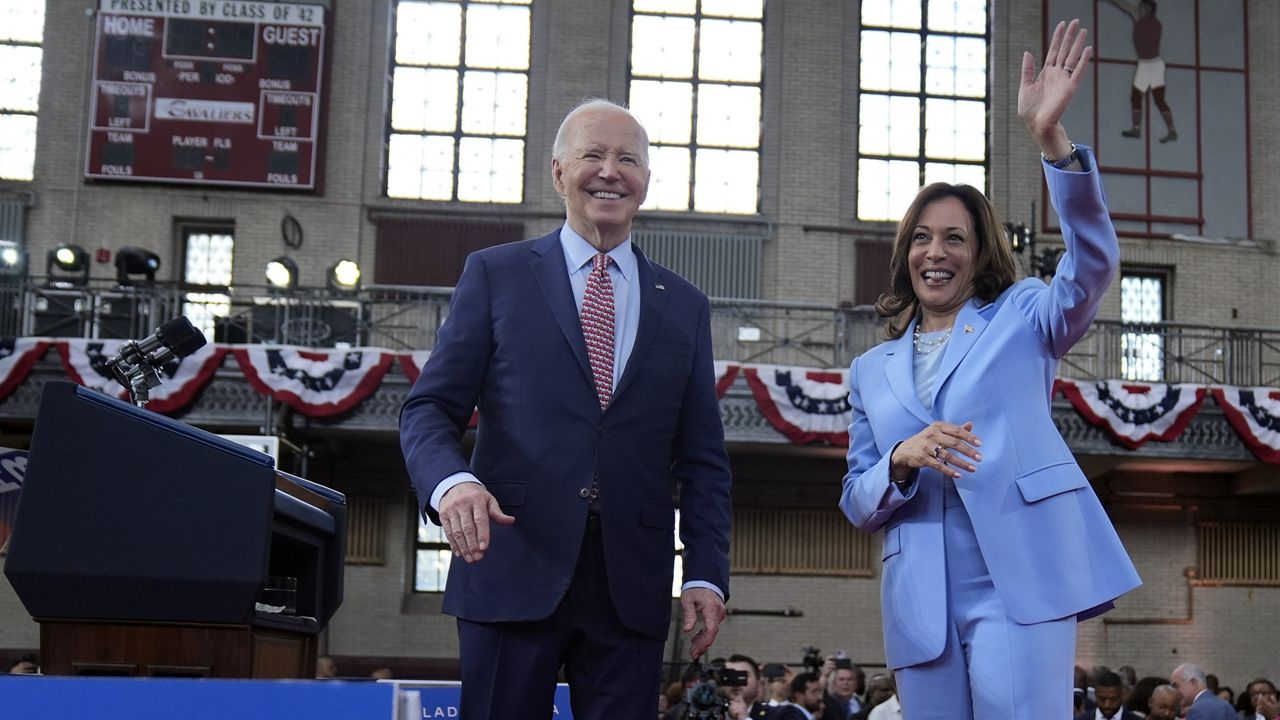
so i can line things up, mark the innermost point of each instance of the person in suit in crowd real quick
(1165, 703)
(748, 700)
(805, 701)
(591, 369)
(1108, 695)
(880, 688)
(1199, 702)
(843, 684)
(994, 542)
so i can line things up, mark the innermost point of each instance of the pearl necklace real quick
(925, 347)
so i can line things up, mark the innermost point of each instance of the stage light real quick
(282, 273)
(13, 260)
(344, 277)
(133, 261)
(67, 266)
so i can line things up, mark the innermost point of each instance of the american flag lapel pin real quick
(660, 286)
(968, 328)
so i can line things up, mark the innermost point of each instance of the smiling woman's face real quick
(940, 260)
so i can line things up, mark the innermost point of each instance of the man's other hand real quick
(701, 603)
(465, 512)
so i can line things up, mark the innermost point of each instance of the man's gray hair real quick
(560, 147)
(1190, 672)
(1165, 688)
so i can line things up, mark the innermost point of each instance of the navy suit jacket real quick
(1051, 550)
(512, 346)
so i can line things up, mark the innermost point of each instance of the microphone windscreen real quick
(180, 336)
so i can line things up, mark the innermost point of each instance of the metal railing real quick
(405, 318)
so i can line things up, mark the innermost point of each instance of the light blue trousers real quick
(992, 667)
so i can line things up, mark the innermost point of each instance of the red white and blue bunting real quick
(86, 363)
(1135, 412)
(806, 405)
(1254, 412)
(318, 383)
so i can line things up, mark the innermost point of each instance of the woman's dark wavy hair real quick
(993, 269)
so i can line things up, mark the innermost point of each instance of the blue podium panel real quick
(66, 698)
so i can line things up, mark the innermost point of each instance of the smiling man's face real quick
(604, 175)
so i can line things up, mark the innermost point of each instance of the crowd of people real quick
(841, 690)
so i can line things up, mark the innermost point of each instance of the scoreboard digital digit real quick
(207, 92)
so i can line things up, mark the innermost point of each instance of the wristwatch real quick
(1064, 161)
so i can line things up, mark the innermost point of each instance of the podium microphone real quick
(137, 365)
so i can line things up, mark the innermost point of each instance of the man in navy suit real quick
(1109, 693)
(1199, 702)
(591, 368)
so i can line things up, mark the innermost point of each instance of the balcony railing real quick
(748, 331)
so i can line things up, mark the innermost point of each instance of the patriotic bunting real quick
(318, 383)
(804, 404)
(1135, 412)
(17, 355)
(726, 373)
(86, 363)
(1254, 412)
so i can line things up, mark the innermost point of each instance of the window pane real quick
(956, 174)
(902, 71)
(428, 33)
(209, 258)
(955, 130)
(490, 170)
(965, 16)
(888, 125)
(17, 146)
(420, 167)
(1141, 299)
(424, 99)
(726, 181)
(891, 13)
(669, 182)
(662, 47)
(20, 77)
(498, 37)
(665, 109)
(679, 7)
(886, 188)
(729, 50)
(734, 8)
(203, 310)
(494, 103)
(431, 570)
(22, 21)
(1142, 356)
(956, 66)
(729, 115)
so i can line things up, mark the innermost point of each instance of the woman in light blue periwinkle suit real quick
(994, 543)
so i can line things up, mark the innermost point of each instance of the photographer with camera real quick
(711, 695)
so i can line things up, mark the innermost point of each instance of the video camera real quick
(704, 699)
(812, 659)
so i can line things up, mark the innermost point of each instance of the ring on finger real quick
(937, 452)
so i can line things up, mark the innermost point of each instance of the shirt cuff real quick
(702, 584)
(448, 484)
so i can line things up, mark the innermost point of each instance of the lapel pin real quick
(660, 286)
(968, 328)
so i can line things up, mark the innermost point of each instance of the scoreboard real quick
(207, 92)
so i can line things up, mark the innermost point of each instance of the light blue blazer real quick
(1051, 550)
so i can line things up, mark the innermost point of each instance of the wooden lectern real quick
(142, 546)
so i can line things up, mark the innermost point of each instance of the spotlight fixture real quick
(344, 277)
(13, 261)
(132, 262)
(67, 266)
(1022, 239)
(282, 273)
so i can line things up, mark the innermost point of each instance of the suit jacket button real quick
(584, 492)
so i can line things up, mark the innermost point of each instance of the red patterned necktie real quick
(597, 326)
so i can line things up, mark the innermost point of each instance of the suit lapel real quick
(653, 302)
(902, 375)
(548, 267)
(968, 327)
